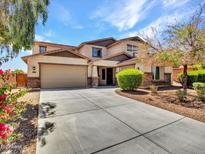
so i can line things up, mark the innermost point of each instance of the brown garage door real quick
(63, 76)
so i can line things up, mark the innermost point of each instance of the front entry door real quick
(109, 76)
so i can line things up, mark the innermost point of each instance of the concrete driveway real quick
(100, 121)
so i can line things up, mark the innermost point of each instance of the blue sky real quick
(74, 21)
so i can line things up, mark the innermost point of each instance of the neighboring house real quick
(92, 63)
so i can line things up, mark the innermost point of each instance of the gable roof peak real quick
(104, 42)
(137, 37)
(100, 40)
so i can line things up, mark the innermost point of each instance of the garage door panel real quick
(63, 76)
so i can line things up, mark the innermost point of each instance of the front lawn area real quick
(167, 99)
(27, 130)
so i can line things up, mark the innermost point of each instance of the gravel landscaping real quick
(27, 130)
(166, 99)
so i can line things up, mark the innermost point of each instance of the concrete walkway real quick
(100, 121)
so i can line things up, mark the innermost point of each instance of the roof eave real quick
(56, 51)
(118, 54)
(55, 44)
(25, 59)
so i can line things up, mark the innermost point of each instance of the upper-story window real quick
(42, 49)
(96, 52)
(131, 48)
(151, 51)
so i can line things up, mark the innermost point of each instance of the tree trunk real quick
(185, 78)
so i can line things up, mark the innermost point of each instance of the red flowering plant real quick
(10, 108)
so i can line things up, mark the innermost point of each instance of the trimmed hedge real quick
(129, 79)
(193, 76)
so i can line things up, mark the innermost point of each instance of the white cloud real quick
(28, 51)
(44, 37)
(49, 33)
(41, 38)
(174, 3)
(160, 24)
(124, 14)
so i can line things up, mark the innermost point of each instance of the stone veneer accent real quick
(167, 77)
(33, 82)
(147, 79)
(95, 82)
(89, 82)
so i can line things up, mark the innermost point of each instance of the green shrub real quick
(200, 90)
(203, 65)
(153, 89)
(129, 79)
(193, 76)
(199, 66)
(181, 94)
(201, 77)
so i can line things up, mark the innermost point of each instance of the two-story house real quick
(92, 63)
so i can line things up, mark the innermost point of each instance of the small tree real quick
(18, 19)
(182, 43)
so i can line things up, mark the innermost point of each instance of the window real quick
(42, 49)
(97, 52)
(131, 48)
(103, 74)
(151, 51)
(155, 72)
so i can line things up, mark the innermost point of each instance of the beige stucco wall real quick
(140, 66)
(116, 49)
(94, 71)
(147, 68)
(122, 47)
(126, 67)
(107, 63)
(34, 62)
(162, 70)
(35, 49)
(143, 67)
(89, 70)
(86, 50)
(168, 69)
